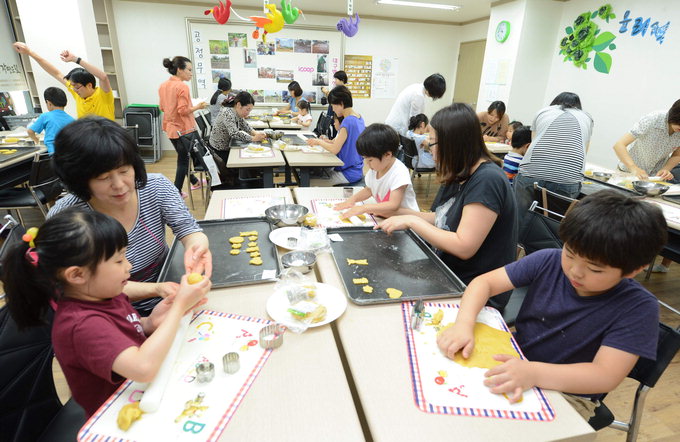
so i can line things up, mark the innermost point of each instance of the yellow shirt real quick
(99, 103)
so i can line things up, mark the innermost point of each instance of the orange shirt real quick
(175, 102)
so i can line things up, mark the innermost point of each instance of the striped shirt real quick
(511, 164)
(558, 151)
(159, 204)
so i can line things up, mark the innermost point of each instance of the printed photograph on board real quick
(220, 73)
(219, 61)
(320, 46)
(249, 58)
(258, 95)
(238, 40)
(266, 48)
(284, 76)
(310, 97)
(219, 46)
(321, 65)
(264, 72)
(303, 46)
(320, 80)
(273, 96)
(284, 45)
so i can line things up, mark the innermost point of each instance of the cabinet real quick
(19, 33)
(108, 45)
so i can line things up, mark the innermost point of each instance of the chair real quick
(204, 127)
(323, 125)
(553, 202)
(10, 233)
(410, 152)
(133, 131)
(43, 188)
(647, 373)
(197, 151)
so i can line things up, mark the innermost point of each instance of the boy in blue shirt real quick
(53, 120)
(583, 323)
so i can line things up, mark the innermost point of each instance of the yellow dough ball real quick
(194, 278)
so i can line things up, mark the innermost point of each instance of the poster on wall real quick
(11, 73)
(359, 70)
(385, 77)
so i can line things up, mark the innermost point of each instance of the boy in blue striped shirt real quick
(521, 139)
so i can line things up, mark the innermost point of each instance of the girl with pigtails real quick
(76, 262)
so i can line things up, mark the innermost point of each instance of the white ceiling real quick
(470, 10)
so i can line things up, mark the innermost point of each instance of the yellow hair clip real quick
(30, 235)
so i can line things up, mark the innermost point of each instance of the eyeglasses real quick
(433, 144)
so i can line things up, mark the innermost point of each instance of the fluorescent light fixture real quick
(418, 4)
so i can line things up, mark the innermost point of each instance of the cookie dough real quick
(367, 289)
(254, 254)
(489, 341)
(253, 237)
(236, 240)
(252, 249)
(394, 293)
(194, 278)
(256, 261)
(361, 262)
(359, 281)
(252, 244)
(236, 246)
(128, 414)
(234, 251)
(250, 233)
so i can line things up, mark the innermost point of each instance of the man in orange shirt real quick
(80, 82)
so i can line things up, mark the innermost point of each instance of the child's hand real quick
(458, 337)
(160, 311)
(353, 211)
(343, 205)
(512, 377)
(198, 259)
(191, 295)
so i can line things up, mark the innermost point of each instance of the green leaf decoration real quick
(603, 40)
(588, 59)
(612, 47)
(597, 32)
(569, 30)
(602, 62)
(593, 15)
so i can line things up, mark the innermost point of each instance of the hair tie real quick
(230, 98)
(30, 235)
(32, 256)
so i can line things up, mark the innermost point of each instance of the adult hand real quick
(458, 337)
(259, 136)
(198, 259)
(22, 48)
(512, 377)
(665, 175)
(67, 56)
(395, 223)
(639, 173)
(166, 289)
(202, 105)
(488, 139)
(312, 142)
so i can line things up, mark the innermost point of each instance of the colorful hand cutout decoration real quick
(273, 22)
(348, 26)
(290, 14)
(220, 12)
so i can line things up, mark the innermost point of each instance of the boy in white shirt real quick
(388, 181)
(304, 118)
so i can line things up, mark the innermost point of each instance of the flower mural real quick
(584, 37)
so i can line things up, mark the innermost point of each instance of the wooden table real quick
(266, 164)
(302, 393)
(373, 341)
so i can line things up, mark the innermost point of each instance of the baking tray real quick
(672, 198)
(229, 270)
(21, 150)
(591, 185)
(293, 140)
(401, 260)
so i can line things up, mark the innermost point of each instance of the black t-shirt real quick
(488, 186)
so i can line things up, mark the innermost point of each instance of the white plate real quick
(292, 148)
(257, 149)
(318, 149)
(327, 295)
(280, 237)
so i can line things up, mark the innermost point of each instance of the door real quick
(469, 72)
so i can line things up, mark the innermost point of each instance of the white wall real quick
(422, 49)
(643, 77)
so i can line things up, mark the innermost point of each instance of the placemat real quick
(442, 386)
(210, 335)
(246, 206)
(327, 216)
(244, 153)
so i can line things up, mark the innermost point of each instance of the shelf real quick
(102, 23)
(106, 48)
(110, 73)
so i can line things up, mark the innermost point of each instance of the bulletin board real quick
(307, 54)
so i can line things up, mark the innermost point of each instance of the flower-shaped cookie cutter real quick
(271, 336)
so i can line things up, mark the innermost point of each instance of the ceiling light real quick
(418, 4)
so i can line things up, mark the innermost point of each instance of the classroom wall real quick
(422, 49)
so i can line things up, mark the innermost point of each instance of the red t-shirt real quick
(87, 337)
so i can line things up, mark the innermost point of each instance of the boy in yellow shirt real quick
(81, 82)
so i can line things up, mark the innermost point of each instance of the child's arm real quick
(306, 123)
(384, 209)
(67, 56)
(605, 373)
(33, 136)
(361, 195)
(460, 336)
(142, 363)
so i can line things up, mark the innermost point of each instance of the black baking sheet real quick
(591, 185)
(228, 270)
(672, 198)
(21, 150)
(293, 140)
(401, 260)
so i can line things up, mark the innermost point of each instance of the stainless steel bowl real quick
(286, 214)
(649, 188)
(300, 261)
(602, 176)
(276, 135)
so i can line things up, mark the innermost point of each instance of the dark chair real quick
(197, 151)
(410, 153)
(42, 189)
(10, 234)
(133, 131)
(647, 373)
(551, 201)
(204, 127)
(323, 125)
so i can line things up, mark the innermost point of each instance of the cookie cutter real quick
(231, 362)
(417, 315)
(205, 371)
(271, 336)
(292, 241)
(347, 192)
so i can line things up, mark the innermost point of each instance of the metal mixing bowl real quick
(602, 176)
(649, 188)
(286, 214)
(301, 261)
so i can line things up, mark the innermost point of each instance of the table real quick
(17, 169)
(276, 123)
(307, 160)
(373, 341)
(266, 164)
(498, 149)
(302, 382)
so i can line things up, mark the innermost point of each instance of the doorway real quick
(469, 72)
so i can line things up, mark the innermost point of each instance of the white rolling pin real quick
(151, 400)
